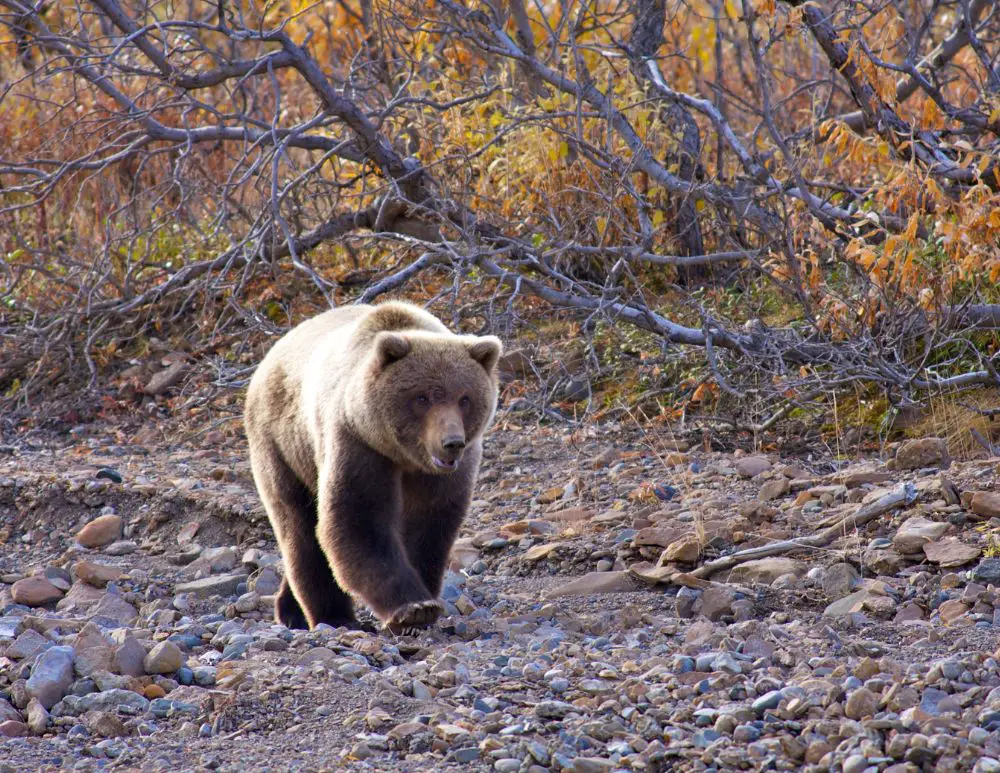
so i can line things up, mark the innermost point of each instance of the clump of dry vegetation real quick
(791, 201)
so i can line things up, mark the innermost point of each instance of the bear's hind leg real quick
(309, 594)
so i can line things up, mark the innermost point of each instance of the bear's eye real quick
(464, 403)
(423, 401)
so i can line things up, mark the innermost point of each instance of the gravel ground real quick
(584, 630)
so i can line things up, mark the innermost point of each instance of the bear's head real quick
(430, 395)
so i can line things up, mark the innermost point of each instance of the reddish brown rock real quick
(35, 591)
(97, 575)
(986, 504)
(101, 531)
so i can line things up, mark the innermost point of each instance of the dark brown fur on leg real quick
(359, 528)
(308, 582)
(433, 509)
(287, 609)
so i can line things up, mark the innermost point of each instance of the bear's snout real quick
(446, 438)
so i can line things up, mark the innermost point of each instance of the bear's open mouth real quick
(444, 464)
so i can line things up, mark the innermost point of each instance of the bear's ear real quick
(486, 351)
(390, 347)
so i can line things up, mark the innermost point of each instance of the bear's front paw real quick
(416, 614)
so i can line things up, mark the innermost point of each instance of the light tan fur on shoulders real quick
(394, 316)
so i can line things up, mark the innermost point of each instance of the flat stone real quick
(165, 658)
(107, 700)
(214, 561)
(7, 711)
(657, 536)
(595, 582)
(101, 531)
(121, 548)
(554, 709)
(550, 495)
(917, 532)
(80, 595)
(11, 728)
(115, 607)
(762, 570)
(97, 575)
(51, 675)
(591, 765)
(27, 645)
(950, 552)
(773, 489)
(317, 655)
(909, 613)
(221, 585)
(852, 478)
(847, 605)
(35, 591)
(752, 466)
(569, 515)
(538, 552)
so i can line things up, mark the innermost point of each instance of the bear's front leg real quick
(359, 530)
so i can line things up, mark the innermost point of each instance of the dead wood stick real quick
(903, 495)
(978, 437)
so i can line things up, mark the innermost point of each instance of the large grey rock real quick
(51, 675)
(917, 532)
(27, 645)
(109, 700)
(222, 585)
(129, 658)
(839, 580)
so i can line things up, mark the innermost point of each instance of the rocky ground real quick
(601, 616)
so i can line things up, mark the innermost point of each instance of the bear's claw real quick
(415, 615)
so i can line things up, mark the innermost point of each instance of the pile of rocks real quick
(128, 639)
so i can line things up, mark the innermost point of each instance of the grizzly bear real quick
(365, 427)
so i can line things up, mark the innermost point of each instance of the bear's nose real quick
(453, 443)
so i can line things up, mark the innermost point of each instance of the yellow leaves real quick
(932, 117)
(557, 152)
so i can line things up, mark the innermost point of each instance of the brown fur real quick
(365, 426)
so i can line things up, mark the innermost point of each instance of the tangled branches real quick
(832, 168)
